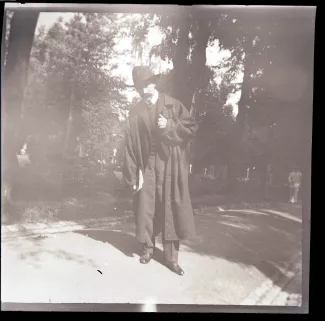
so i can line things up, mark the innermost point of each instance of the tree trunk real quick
(199, 59)
(263, 160)
(74, 122)
(180, 63)
(237, 135)
(263, 173)
(21, 38)
(69, 123)
(187, 77)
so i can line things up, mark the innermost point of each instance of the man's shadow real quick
(125, 243)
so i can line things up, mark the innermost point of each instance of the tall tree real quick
(77, 68)
(22, 29)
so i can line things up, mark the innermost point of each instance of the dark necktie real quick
(152, 110)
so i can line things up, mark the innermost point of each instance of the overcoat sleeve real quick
(129, 162)
(181, 128)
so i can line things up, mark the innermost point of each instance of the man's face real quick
(149, 92)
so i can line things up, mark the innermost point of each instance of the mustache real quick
(147, 96)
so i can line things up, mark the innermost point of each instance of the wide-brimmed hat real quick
(142, 76)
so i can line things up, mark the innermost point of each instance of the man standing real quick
(294, 184)
(156, 166)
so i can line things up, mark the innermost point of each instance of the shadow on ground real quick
(261, 238)
(122, 241)
(265, 239)
(39, 249)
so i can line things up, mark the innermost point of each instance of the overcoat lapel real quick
(161, 105)
(144, 121)
(165, 106)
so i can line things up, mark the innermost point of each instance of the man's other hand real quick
(137, 188)
(162, 121)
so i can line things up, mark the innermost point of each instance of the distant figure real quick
(294, 185)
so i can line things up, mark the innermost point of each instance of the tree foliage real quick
(71, 82)
(73, 100)
(265, 47)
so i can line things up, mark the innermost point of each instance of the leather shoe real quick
(145, 258)
(174, 267)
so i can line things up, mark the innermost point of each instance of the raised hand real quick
(162, 121)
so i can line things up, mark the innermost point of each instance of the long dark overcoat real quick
(175, 138)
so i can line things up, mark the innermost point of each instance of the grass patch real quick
(71, 208)
(37, 211)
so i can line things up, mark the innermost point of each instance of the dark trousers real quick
(153, 189)
(171, 249)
